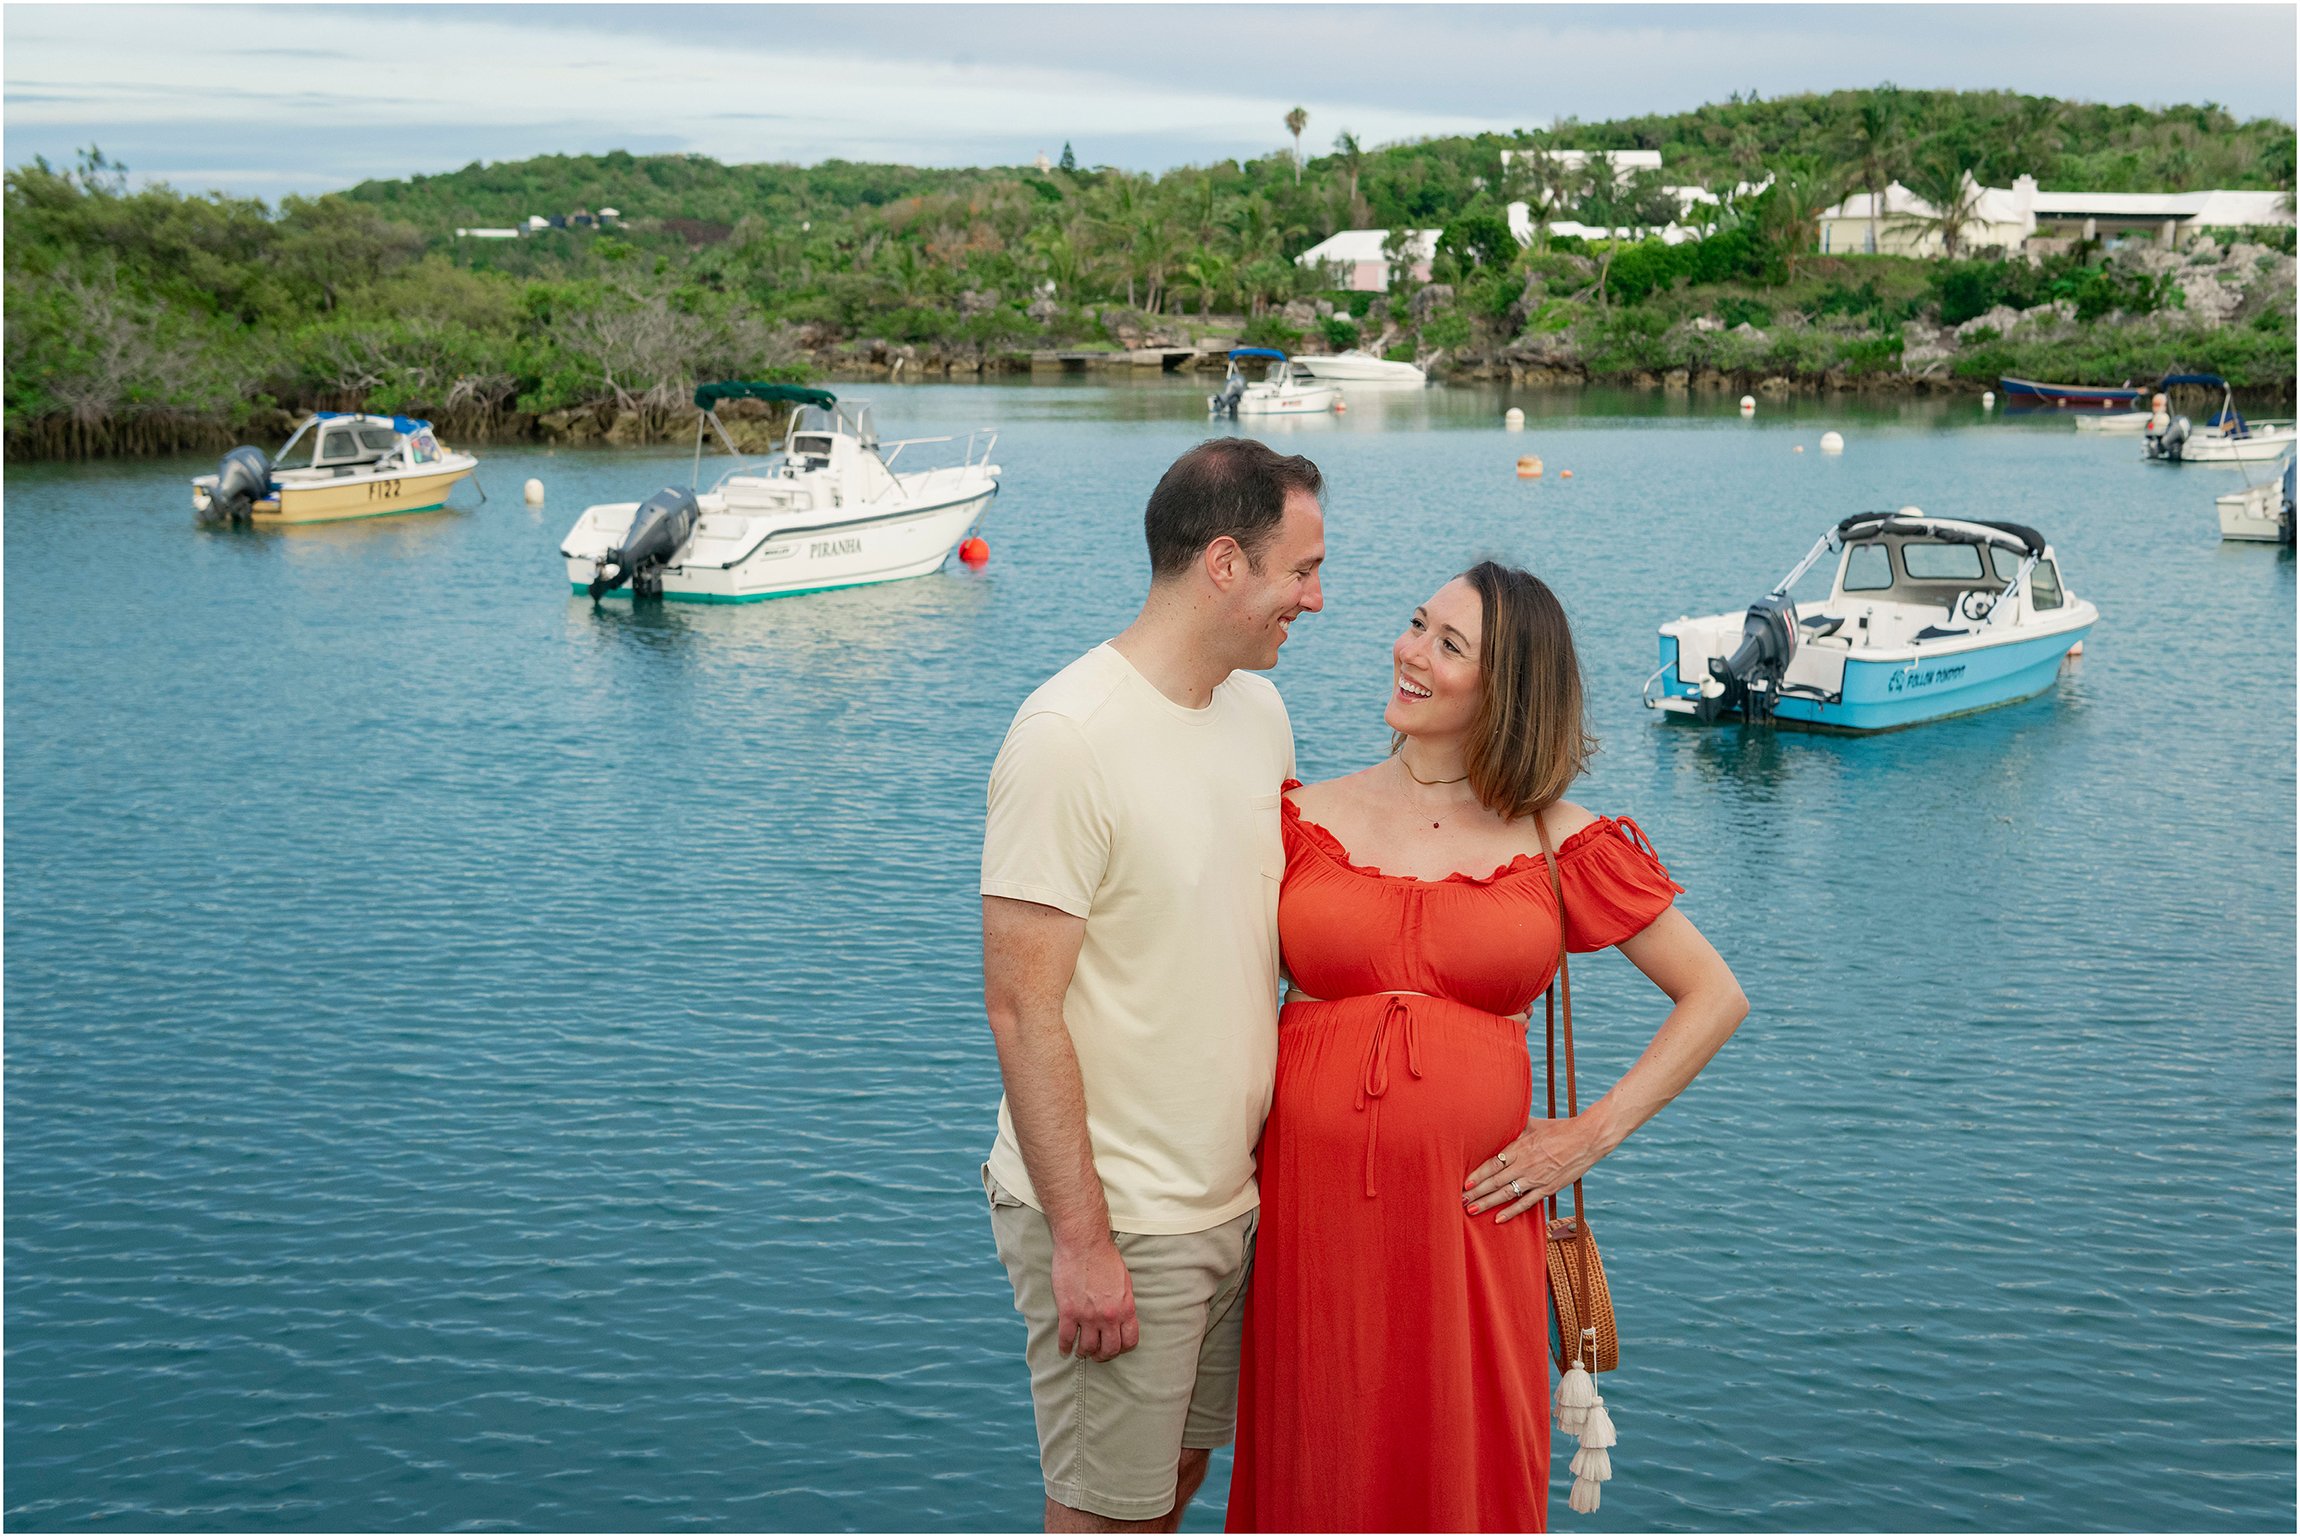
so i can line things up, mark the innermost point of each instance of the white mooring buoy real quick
(1748, 405)
(1513, 419)
(535, 493)
(1832, 443)
(1988, 400)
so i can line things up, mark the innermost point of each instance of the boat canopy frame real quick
(1862, 527)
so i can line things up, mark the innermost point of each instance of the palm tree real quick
(1353, 161)
(1549, 185)
(1208, 271)
(1296, 121)
(1944, 181)
(1790, 209)
(1874, 144)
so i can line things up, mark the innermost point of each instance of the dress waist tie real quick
(1397, 1019)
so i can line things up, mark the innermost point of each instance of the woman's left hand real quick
(1547, 1156)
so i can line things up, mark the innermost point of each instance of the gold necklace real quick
(1417, 779)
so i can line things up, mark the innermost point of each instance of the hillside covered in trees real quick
(148, 319)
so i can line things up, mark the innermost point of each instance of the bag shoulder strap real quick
(1558, 1001)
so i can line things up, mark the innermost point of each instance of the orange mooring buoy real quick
(1565, 474)
(974, 551)
(1529, 467)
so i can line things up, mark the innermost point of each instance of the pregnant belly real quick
(1396, 1097)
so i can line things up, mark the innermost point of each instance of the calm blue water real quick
(474, 1061)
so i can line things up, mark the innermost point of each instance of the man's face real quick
(1266, 601)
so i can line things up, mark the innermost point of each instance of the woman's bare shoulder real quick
(1563, 819)
(1327, 794)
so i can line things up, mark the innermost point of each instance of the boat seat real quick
(1938, 632)
(1822, 624)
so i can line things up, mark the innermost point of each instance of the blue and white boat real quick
(1926, 618)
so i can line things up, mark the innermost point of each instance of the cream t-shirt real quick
(1158, 825)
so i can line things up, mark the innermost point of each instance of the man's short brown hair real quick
(1225, 486)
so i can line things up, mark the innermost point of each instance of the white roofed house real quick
(2024, 219)
(1360, 260)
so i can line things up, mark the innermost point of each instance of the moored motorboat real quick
(828, 510)
(336, 465)
(1283, 392)
(2114, 421)
(1358, 367)
(1926, 618)
(2227, 439)
(2260, 514)
(2029, 392)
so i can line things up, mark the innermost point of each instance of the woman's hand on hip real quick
(1546, 1157)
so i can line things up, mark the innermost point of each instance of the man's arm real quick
(1028, 954)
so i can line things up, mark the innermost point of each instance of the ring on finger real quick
(1517, 1187)
(1502, 1159)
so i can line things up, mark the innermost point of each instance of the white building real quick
(1360, 261)
(2008, 218)
(1625, 161)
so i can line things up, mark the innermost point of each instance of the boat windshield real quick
(295, 453)
(1904, 569)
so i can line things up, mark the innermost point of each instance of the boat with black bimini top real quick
(2227, 439)
(1926, 618)
(336, 465)
(829, 509)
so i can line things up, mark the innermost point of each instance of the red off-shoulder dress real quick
(1396, 1367)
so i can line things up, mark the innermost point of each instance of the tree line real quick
(148, 318)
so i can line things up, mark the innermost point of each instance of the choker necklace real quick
(1417, 779)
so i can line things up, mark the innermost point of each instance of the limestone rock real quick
(1428, 300)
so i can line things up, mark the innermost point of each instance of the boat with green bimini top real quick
(830, 509)
(337, 465)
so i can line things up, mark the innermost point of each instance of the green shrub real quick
(1450, 329)
(1270, 330)
(1341, 332)
(1736, 309)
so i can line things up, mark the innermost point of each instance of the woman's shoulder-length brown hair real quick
(1530, 739)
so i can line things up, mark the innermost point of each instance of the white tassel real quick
(1584, 1497)
(1593, 1463)
(1575, 1394)
(1597, 1426)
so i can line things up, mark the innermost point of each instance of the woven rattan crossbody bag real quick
(1586, 1340)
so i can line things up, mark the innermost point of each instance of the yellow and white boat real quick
(337, 465)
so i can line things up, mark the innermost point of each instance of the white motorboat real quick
(337, 465)
(1927, 618)
(2260, 514)
(1359, 367)
(2227, 439)
(829, 510)
(1285, 391)
(2117, 421)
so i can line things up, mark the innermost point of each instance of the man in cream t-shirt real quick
(1130, 871)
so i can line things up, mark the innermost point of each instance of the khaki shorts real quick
(1110, 1432)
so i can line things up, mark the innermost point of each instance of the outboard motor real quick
(1752, 674)
(2167, 444)
(662, 524)
(243, 479)
(1233, 390)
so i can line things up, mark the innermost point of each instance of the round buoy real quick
(974, 551)
(1529, 467)
(1513, 419)
(535, 493)
(1988, 400)
(1832, 443)
(1565, 474)
(1340, 405)
(1800, 448)
(1748, 405)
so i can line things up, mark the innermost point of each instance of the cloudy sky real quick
(302, 98)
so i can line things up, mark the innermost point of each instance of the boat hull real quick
(1309, 402)
(2258, 448)
(1895, 692)
(1342, 369)
(2254, 516)
(2030, 392)
(791, 562)
(2115, 421)
(368, 496)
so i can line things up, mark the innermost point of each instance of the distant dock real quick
(1167, 359)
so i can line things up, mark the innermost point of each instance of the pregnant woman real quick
(1396, 1372)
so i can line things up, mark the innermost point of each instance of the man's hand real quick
(1093, 1300)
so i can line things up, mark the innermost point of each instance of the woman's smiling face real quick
(1436, 672)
